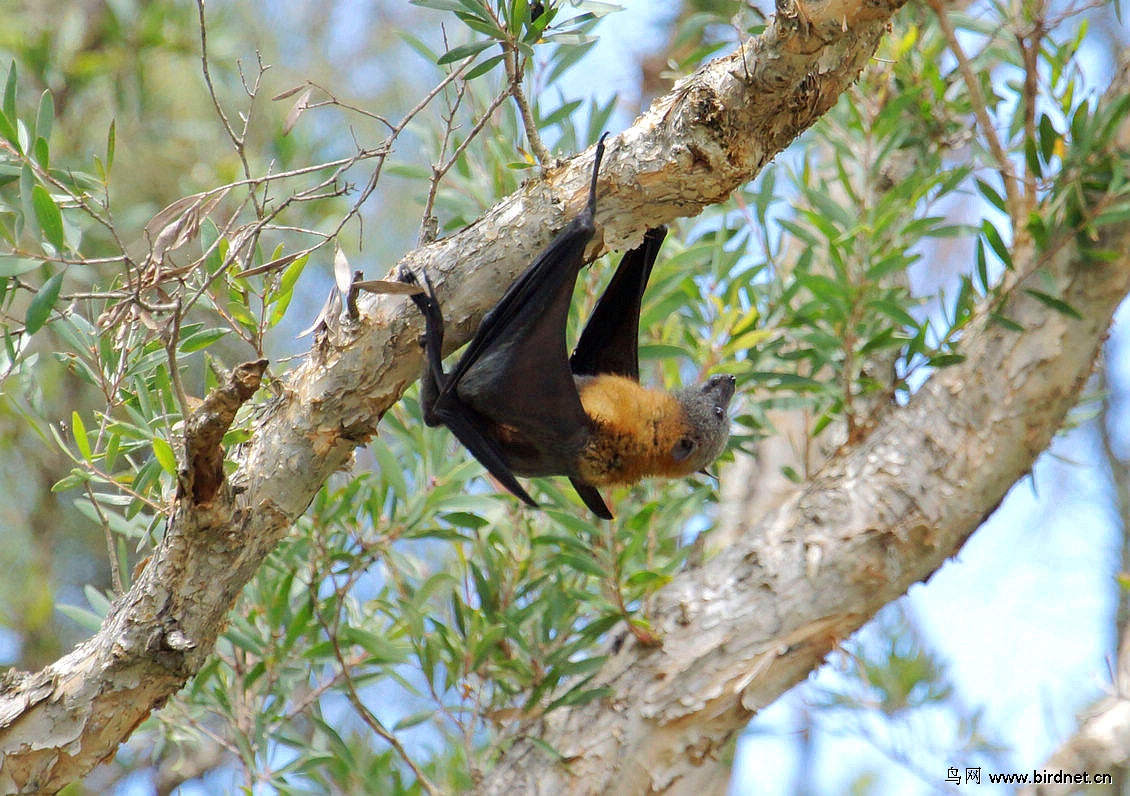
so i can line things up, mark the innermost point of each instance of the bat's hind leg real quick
(432, 343)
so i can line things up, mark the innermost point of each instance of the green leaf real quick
(519, 10)
(78, 429)
(201, 339)
(76, 477)
(440, 5)
(581, 696)
(48, 215)
(946, 360)
(8, 131)
(379, 648)
(10, 94)
(209, 235)
(14, 266)
(1048, 136)
(1031, 156)
(462, 51)
(87, 620)
(42, 154)
(483, 68)
(163, 452)
(1005, 322)
(45, 116)
(392, 471)
(40, 308)
(549, 750)
(1079, 123)
(991, 194)
(996, 242)
(111, 138)
(413, 719)
(982, 266)
(1057, 304)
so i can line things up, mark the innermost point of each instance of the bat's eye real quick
(683, 448)
(719, 412)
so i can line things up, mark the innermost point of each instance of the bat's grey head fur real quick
(707, 410)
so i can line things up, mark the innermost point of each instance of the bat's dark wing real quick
(610, 340)
(511, 399)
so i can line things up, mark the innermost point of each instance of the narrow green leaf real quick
(982, 266)
(8, 131)
(1031, 156)
(42, 155)
(40, 308)
(545, 747)
(580, 696)
(483, 67)
(992, 195)
(1057, 304)
(10, 93)
(14, 266)
(48, 215)
(209, 235)
(1079, 123)
(413, 719)
(27, 191)
(75, 477)
(292, 272)
(894, 311)
(87, 620)
(996, 242)
(1049, 137)
(392, 471)
(111, 139)
(519, 10)
(462, 51)
(78, 429)
(201, 339)
(163, 452)
(947, 360)
(45, 116)
(439, 5)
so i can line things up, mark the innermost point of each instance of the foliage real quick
(415, 620)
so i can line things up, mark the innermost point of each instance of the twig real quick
(980, 110)
(115, 569)
(514, 71)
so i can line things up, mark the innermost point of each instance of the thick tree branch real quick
(879, 517)
(711, 134)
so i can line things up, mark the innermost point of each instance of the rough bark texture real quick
(880, 516)
(738, 631)
(692, 148)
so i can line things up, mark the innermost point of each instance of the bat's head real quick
(705, 407)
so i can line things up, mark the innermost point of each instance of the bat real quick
(522, 406)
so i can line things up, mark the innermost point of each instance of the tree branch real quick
(879, 517)
(708, 136)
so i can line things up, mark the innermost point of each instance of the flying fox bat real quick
(522, 406)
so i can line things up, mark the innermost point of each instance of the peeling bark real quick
(739, 630)
(880, 516)
(205, 429)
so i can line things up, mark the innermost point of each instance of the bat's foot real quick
(404, 274)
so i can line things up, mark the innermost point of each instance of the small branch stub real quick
(205, 429)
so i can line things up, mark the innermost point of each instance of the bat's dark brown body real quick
(523, 407)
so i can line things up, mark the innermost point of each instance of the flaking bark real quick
(875, 521)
